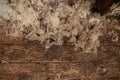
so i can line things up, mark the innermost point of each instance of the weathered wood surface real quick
(29, 60)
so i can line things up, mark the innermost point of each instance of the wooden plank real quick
(29, 60)
(39, 53)
(67, 71)
(2, 31)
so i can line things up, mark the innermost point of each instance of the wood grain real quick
(29, 60)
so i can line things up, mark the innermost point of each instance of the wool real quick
(50, 21)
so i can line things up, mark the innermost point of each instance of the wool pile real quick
(55, 22)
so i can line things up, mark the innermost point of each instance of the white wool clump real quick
(50, 21)
(94, 20)
(114, 36)
(5, 9)
(53, 19)
(83, 13)
(95, 37)
(115, 8)
(27, 16)
(84, 9)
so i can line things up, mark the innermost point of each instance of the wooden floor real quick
(29, 60)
